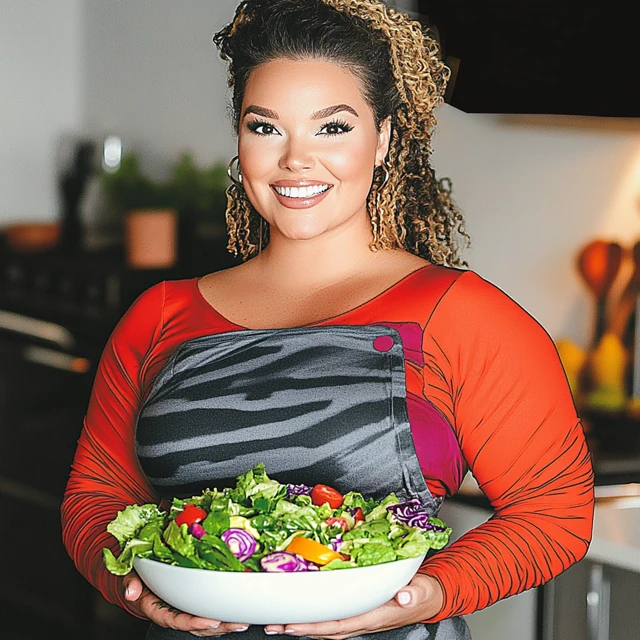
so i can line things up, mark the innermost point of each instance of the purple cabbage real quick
(336, 543)
(241, 543)
(298, 490)
(284, 562)
(412, 513)
(310, 566)
(197, 530)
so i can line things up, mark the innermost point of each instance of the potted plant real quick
(199, 194)
(147, 212)
(191, 202)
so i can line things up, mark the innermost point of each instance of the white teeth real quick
(302, 192)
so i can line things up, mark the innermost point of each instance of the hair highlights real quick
(403, 78)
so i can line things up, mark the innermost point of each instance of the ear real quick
(384, 140)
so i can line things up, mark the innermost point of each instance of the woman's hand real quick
(419, 600)
(147, 605)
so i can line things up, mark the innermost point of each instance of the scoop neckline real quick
(392, 287)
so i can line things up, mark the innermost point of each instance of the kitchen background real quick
(535, 188)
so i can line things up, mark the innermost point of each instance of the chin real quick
(302, 230)
(303, 234)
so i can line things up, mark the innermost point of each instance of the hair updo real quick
(403, 77)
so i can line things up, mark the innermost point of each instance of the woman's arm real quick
(496, 375)
(105, 476)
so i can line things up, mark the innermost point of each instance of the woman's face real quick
(308, 145)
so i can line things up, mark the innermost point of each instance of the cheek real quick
(257, 160)
(352, 161)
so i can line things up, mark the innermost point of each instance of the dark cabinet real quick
(592, 601)
(532, 57)
(56, 313)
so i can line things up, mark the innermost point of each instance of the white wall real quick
(40, 80)
(535, 189)
(153, 75)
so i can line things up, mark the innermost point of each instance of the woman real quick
(352, 298)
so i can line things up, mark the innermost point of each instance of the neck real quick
(318, 261)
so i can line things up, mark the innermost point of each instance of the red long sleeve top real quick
(489, 368)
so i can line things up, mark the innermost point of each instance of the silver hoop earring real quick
(385, 168)
(237, 181)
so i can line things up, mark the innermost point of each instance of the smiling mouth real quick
(302, 192)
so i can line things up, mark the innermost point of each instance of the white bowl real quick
(276, 598)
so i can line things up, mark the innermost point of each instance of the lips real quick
(300, 194)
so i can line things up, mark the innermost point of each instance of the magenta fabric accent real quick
(435, 442)
(383, 343)
(411, 334)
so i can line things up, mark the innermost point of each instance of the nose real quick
(297, 156)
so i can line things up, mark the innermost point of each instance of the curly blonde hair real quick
(403, 76)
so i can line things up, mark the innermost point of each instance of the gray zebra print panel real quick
(315, 404)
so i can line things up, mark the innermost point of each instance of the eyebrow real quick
(318, 115)
(260, 111)
(329, 111)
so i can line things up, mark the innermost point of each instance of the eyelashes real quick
(256, 125)
(334, 128)
(340, 125)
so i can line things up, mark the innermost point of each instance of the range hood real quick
(545, 57)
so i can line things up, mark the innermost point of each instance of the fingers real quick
(274, 629)
(148, 605)
(334, 629)
(407, 597)
(420, 599)
(424, 592)
(225, 627)
(132, 587)
(164, 615)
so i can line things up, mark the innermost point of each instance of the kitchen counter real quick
(558, 610)
(616, 529)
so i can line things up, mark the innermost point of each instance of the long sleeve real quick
(496, 375)
(105, 476)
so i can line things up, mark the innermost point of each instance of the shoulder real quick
(473, 297)
(477, 315)
(143, 320)
(156, 297)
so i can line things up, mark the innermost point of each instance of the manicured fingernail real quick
(290, 631)
(214, 626)
(270, 632)
(404, 597)
(241, 629)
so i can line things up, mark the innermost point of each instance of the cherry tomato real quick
(321, 493)
(338, 522)
(190, 515)
(358, 516)
(313, 551)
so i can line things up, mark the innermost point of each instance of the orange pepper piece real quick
(313, 551)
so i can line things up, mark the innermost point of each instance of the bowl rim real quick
(138, 559)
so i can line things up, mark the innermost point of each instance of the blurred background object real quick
(605, 376)
(31, 237)
(598, 263)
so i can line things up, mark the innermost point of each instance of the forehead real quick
(285, 85)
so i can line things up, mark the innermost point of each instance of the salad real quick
(261, 525)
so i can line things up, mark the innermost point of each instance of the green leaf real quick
(375, 552)
(123, 564)
(132, 519)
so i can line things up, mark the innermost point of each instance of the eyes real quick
(333, 128)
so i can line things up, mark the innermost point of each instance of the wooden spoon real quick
(622, 312)
(598, 263)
